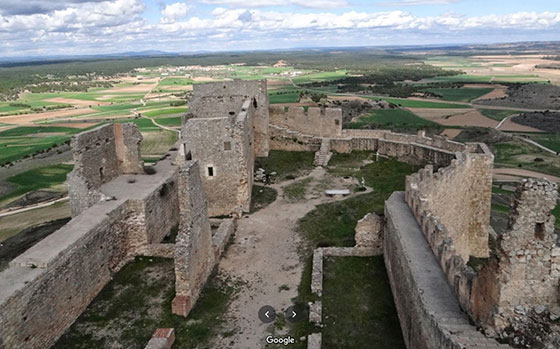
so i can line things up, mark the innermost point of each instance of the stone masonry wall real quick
(522, 277)
(321, 122)
(194, 257)
(224, 148)
(101, 155)
(221, 99)
(47, 287)
(457, 197)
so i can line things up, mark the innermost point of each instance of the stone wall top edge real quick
(50, 249)
(14, 278)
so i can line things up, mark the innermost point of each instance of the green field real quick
(167, 111)
(490, 78)
(392, 118)
(176, 81)
(284, 97)
(39, 178)
(522, 155)
(320, 76)
(412, 103)
(496, 114)
(459, 94)
(550, 140)
(358, 308)
(173, 121)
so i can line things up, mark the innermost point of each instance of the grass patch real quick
(358, 307)
(496, 114)
(261, 197)
(397, 118)
(158, 143)
(551, 140)
(284, 97)
(138, 301)
(333, 224)
(286, 164)
(39, 178)
(174, 121)
(296, 191)
(519, 154)
(167, 111)
(460, 94)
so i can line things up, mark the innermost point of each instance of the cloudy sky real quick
(35, 27)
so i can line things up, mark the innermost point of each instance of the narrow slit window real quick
(539, 231)
(227, 145)
(210, 171)
(337, 122)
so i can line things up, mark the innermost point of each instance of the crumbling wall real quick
(193, 248)
(101, 155)
(224, 148)
(457, 197)
(520, 283)
(220, 99)
(321, 122)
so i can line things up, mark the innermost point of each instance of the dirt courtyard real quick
(264, 256)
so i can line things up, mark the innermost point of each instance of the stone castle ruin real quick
(447, 280)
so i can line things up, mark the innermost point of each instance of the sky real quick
(74, 27)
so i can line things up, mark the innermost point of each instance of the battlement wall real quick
(321, 122)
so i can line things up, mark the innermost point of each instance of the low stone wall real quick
(429, 313)
(47, 287)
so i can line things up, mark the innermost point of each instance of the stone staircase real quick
(324, 154)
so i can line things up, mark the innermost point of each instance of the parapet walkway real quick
(428, 309)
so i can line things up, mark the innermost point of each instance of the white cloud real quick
(418, 2)
(175, 11)
(118, 25)
(318, 4)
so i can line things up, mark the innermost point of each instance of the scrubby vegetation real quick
(286, 164)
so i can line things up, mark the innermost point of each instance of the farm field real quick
(460, 94)
(416, 103)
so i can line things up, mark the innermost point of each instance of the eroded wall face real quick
(101, 155)
(322, 122)
(194, 255)
(525, 273)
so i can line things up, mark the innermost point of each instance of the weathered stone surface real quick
(101, 155)
(163, 338)
(428, 310)
(314, 341)
(224, 144)
(321, 122)
(369, 232)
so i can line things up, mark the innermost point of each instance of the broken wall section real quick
(101, 155)
(519, 286)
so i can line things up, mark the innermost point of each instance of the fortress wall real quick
(428, 310)
(45, 289)
(48, 286)
(457, 197)
(322, 122)
(284, 139)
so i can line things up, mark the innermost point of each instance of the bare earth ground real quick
(468, 118)
(264, 256)
(203, 79)
(75, 124)
(29, 119)
(451, 132)
(516, 173)
(509, 125)
(499, 91)
(76, 102)
(349, 98)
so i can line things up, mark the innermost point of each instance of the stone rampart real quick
(429, 313)
(321, 122)
(47, 287)
(454, 202)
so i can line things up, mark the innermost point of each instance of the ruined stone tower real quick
(101, 155)
(222, 132)
(528, 267)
